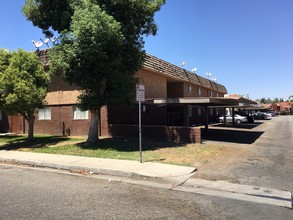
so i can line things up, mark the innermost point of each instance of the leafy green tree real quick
(263, 100)
(101, 46)
(269, 101)
(23, 85)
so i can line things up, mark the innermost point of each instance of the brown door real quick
(15, 124)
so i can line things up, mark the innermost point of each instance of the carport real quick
(207, 103)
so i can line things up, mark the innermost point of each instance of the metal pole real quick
(207, 118)
(139, 128)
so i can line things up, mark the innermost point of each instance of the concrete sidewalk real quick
(124, 168)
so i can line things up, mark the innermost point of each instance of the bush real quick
(283, 113)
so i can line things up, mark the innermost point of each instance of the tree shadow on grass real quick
(18, 142)
(130, 144)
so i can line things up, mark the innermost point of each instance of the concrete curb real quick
(122, 168)
(70, 167)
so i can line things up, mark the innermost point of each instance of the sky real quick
(247, 45)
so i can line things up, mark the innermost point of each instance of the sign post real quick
(140, 97)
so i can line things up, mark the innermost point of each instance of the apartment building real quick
(177, 100)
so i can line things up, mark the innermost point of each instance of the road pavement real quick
(39, 193)
(271, 161)
(266, 180)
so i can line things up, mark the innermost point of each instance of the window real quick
(190, 111)
(199, 91)
(79, 114)
(45, 113)
(211, 93)
(0, 115)
(189, 89)
(199, 112)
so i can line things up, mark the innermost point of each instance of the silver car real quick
(237, 118)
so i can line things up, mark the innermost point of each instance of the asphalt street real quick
(271, 161)
(39, 193)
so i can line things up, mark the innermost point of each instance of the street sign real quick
(140, 97)
(140, 93)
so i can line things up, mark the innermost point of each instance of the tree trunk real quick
(31, 121)
(93, 136)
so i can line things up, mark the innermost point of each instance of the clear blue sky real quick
(246, 44)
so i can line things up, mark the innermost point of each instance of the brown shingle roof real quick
(43, 56)
(163, 67)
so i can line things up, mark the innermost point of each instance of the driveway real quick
(263, 155)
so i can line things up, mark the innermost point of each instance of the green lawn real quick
(115, 148)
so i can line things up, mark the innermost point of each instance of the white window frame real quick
(44, 113)
(79, 114)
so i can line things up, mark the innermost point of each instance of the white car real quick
(237, 118)
(269, 114)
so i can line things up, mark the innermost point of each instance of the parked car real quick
(259, 115)
(250, 119)
(269, 115)
(238, 119)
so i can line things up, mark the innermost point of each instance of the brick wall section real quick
(11, 123)
(62, 123)
(123, 114)
(171, 133)
(15, 124)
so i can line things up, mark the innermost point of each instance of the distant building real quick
(285, 107)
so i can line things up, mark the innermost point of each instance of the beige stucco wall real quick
(62, 97)
(155, 84)
(204, 92)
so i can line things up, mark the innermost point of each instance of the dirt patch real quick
(190, 154)
(217, 167)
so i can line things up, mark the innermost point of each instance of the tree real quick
(101, 46)
(23, 85)
(269, 101)
(276, 100)
(263, 100)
